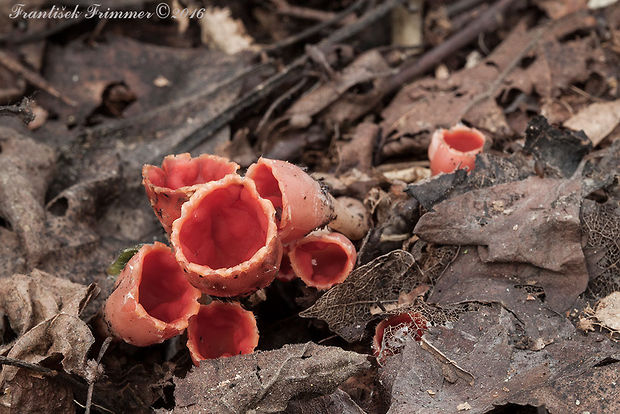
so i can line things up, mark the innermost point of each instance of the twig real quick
(502, 76)
(34, 78)
(488, 20)
(284, 8)
(311, 31)
(270, 85)
(292, 91)
(27, 365)
(91, 385)
(461, 6)
(22, 110)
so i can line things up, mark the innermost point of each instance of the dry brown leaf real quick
(367, 67)
(486, 343)
(601, 246)
(346, 307)
(512, 225)
(428, 103)
(63, 341)
(27, 300)
(608, 311)
(265, 381)
(23, 183)
(337, 403)
(220, 31)
(560, 8)
(596, 120)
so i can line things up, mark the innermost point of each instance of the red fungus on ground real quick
(323, 259)
(454, 148)
(178, 178)
(227, 238)
(152, 300)
(391, 333)
(301, 205)
(221, 330)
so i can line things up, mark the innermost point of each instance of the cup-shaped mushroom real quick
(300, 202)
(454, 148)
(323, 259)
(152, 300)
(178, 178)
(221, 329)
(391, 333)
(227, 238)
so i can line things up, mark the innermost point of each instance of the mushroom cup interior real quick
(225, 228)
(267, 186)
(222, 330)
(413, 322)
(164, 292)
(322, 262)
(463, 140)
(183, 172)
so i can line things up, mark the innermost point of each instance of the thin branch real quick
(270, 85)
(311, 31)
(27, 365)
(502, 76)
(488, 20)
(32, 77)
(91, 386)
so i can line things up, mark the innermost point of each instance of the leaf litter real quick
(502, 296)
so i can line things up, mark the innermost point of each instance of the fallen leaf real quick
(560, 8)
(347, 307)
(265, 381)
(27, 300)
(601, 232)
(220, 31)
(533, 211)
(337, 403)
(23, 184)
(608, 311)
(559, 151)
(597, 120)
(482, 342)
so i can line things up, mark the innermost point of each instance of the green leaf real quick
(125, 255)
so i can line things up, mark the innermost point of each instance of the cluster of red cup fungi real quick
(229, 236)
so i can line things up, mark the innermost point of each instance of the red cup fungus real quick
(300, 202)
(221, 329)
(391, 333)
(227, 238)
(178, 178)
(323, 259)
(152, 300)
(454, 148)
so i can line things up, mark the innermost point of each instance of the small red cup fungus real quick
(391, 333)
(221, 329)
(227, 238)
(323, 259)
(152, 300)
(301, 205)
(454, 148)
(178, 178)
